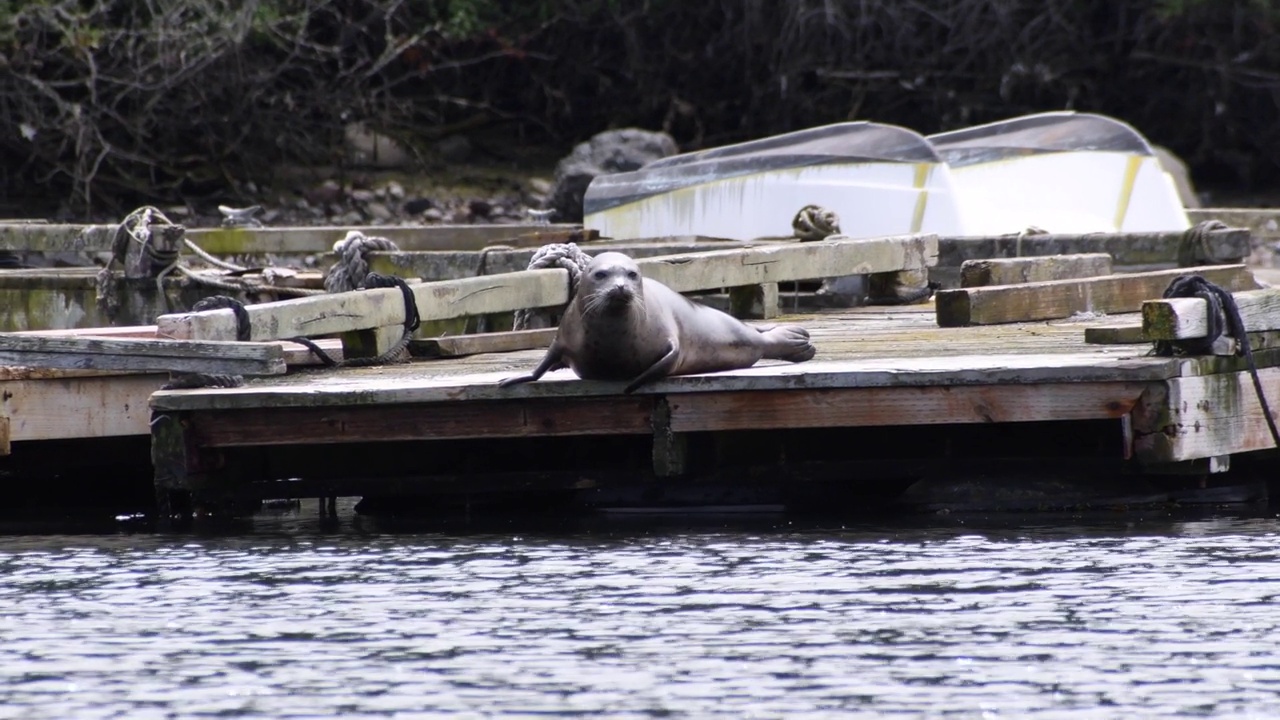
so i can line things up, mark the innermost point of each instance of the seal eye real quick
(600, 274)
(633, 274)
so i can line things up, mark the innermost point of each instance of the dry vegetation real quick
(104, 103)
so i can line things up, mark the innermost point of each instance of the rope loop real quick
(223, 302)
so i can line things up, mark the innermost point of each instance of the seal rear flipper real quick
(789, 342)
(553, 360)
(660, 369)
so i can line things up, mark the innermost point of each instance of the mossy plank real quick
(1184, 318)
(1204, 416)
(1231, 245)
(1063, 298)
(1016, 271)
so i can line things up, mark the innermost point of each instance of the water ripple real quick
(712, 624)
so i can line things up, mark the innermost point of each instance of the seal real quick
(623, 326)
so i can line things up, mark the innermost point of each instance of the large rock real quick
(611, 151)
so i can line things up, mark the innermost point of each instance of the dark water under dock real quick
(289, 616)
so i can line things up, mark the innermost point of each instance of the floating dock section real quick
(1028, 383)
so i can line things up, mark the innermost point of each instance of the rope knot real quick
(352, 267)
(814, 222)
(554, 255)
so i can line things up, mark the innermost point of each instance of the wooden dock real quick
(1012, 388)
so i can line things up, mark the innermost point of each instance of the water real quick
(1153, 619)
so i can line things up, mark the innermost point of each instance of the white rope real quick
(556, 255)
(349, 272)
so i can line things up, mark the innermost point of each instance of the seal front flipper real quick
(660, 369)
(553, 360)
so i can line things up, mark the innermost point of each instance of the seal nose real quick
(619, 292)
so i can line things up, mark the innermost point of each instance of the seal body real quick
(623, 326)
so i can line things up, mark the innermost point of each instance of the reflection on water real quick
(1105, 620)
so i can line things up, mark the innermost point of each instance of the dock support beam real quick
(670, 449)
(754, 302)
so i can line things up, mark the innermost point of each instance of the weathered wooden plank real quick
(1204, 416)
(1016, 271)
(863, 407)
(416, 384)
(309, 240)
(774, 262)
(79, 407)
(361, 309)
(1126, 333)
(1183, 318)
(495, 342)
(1262, 222)
(95, 353)
(58, 238)
(343, 312)
(289, 426)
(124, 331)
(450, 265)
(1064, 298)
(1140, 248)
(6, 446)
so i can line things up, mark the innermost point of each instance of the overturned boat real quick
(1060, 171)
(1066, 172)
(879, 179)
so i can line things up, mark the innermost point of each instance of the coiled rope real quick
(814, 222)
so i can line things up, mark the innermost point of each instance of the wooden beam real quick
(1122, 333)
(454, 264)
(411, 238)
(1138, 248)
(93, 353)
(494, 342)
(1204, 416)
(361, 424)
(774, 262)
(863, 407)
(1183, 318)
(1064, 298)
(1016, 271)
(6, 447)
(361, 309)
(55, 238)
